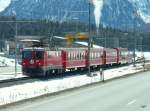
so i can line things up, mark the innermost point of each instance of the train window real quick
(96, 55)
(27, 55)
(78, 56)
(83, 55)
(69, 56)
(59, 54)
(75, 56)
(51, 54)
(72, 56)
(39, 54)
(56, 54)
(91, 55)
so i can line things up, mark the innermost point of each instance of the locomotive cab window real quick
(39, 54)
(27, 55)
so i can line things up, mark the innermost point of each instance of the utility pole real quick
(134, 49)
(16, 34)
(89, 39)
(105, 39)
(135, 38)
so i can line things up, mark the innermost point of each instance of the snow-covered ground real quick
(7, 62)
(7, 68)
(30, 90)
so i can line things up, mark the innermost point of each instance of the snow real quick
(29, 40)
(35, 89)
(58, 37)
(86, 44)
(145, 54)
(142, 7)
(7, 68)
(7, 61)
(144, 16)
(98, 4)
(4, 4)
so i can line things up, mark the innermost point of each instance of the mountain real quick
(124, 14)
(48, 9)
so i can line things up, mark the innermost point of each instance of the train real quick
(40, 62)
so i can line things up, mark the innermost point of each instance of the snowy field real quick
(30, 90)
(35, 89)
(7, 68)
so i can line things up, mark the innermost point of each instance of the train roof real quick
(34, 48)
(59, 49)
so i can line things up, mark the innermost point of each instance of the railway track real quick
(16, 81)
(23, 80)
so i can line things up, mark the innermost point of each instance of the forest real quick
(107, 36)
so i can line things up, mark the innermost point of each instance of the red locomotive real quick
(42, 61)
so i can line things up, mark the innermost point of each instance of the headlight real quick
(39, 64)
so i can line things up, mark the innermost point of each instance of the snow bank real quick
(30, 90)
(7, 68)
(145, 54)
(9, 72)
(7, 61)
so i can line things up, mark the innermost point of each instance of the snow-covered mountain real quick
(4, 4)
(126, 13)
(48, 9)
(114, 13)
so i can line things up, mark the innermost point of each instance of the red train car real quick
(78, 57)
(111, 56)
(42, 61)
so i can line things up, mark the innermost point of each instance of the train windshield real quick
(39, 54)
(27, 55)
(32, 54)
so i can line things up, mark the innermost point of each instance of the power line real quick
(20, 21)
